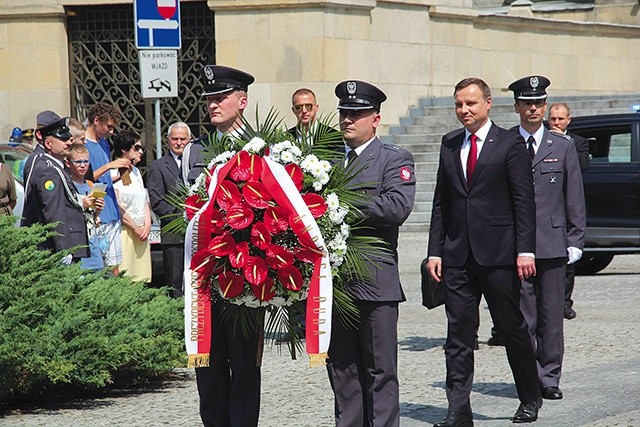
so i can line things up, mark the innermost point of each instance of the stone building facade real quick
(410, 48)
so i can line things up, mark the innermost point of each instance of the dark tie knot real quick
(531, 142)
(351, 155)
(180, 157)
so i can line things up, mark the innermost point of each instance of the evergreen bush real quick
(62, 328)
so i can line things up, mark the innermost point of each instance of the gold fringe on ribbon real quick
(198, 361)
(317, 360)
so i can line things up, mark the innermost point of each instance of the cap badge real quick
(534, 82)
(351, 88)
(208, 74)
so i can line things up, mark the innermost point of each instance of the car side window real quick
(610, 145)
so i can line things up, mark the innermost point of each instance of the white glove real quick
(574, 254)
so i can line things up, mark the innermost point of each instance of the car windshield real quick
(15, 156)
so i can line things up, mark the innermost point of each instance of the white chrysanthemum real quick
(345, 229)
(221, 158)
(287, 157)
(255, 145)
(332, 201)
(296, 151)
(337, 216)
(308, 163)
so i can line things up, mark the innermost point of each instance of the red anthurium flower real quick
(217, 221)
(256, 194)
(278, 257)
(265, 291)
(228, 195)
(239, 258)
(276, 220)
(222, 245)
(255, 270)
(316, 204)
(260, 236)
(290, 277)
(306, 254)
(246, 167)
(231, 284)
(192, 205)
(202, 262)
(296, 175)
(240, 216)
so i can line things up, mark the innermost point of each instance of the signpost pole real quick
(158, 129)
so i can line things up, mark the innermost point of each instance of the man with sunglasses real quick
(50, 195)
(305, 108)
(560, 226)
(362, 364)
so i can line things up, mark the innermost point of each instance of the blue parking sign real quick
(157, 24)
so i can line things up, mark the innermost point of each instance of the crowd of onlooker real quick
(89, 187)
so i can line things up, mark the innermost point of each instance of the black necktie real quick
(530, 142)
(351, 155)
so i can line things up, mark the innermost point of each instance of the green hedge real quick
(63, 328)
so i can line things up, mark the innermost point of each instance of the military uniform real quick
(362, 364)
(50, 196)
(229, 389)
(560, 227)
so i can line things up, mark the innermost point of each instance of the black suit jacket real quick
(494, 218)
(582, 145)
(163, 178)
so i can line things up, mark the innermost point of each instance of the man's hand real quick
(434, 267)
(526, 266)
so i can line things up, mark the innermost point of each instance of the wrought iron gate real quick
(104, 66)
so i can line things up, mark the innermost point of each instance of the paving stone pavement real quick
(601, 380)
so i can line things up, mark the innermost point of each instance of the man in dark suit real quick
(482, 242)
(559, 119)
(50, 195)
(305, 108)
(229, 388)
(560, 225)
(362, 362)
(164, 177)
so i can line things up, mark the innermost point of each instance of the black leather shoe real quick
(527, 412)
(569, 313)
(552, 393)
(455, 419)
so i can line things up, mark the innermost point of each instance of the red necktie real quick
(471, 160)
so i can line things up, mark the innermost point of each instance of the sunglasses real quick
(299, 107)
(138, 148)
(80, 162)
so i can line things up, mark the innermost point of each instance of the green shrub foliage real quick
(63, 328)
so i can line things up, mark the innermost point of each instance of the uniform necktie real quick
(531, 142)
(473, 157)
(351, 155)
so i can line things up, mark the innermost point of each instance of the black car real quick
(611, 187)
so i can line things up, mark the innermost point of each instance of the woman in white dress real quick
(134, 208)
